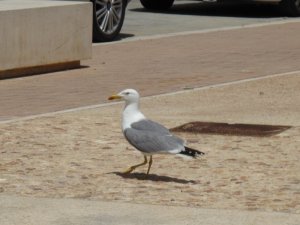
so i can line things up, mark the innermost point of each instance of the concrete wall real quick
(43, 33)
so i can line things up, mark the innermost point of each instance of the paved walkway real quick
(157, 66)
(28, 211)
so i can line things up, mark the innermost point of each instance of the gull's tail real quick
(191, 152)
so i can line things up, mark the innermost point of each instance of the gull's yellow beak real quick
(113, 97)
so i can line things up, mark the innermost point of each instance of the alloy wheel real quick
(108, 15)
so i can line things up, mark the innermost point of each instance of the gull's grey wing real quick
(153, 142)
(150, 125)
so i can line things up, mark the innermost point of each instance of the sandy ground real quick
(80, 154)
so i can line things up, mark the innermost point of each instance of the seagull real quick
(147, 136)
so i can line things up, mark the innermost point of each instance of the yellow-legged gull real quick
(148, 136)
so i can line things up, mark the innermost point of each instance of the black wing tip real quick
(191, 152)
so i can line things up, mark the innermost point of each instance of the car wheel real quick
(157, 4)
(108, 17)
(291, 7)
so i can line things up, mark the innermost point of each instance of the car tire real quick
(108, 18)
(290, 7)
(157, 4)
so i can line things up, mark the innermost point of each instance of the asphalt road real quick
(187, 16)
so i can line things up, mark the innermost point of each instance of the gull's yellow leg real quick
(132, 168)
(150, 163)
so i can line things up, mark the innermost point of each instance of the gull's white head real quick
(131, 112)
(129, 95)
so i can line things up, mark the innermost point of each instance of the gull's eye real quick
(127, 93)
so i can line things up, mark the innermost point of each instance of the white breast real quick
(131, 114)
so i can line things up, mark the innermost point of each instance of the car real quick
(108, 18)
(289, 7)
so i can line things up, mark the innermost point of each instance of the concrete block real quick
(36, 36)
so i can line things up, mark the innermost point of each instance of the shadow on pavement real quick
(243, 10)
(121, 36)
(153, 177)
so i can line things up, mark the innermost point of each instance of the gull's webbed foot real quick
(132, 168)
(129, 170)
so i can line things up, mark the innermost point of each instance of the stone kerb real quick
(43, 36)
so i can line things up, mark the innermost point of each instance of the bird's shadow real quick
(153, 177)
